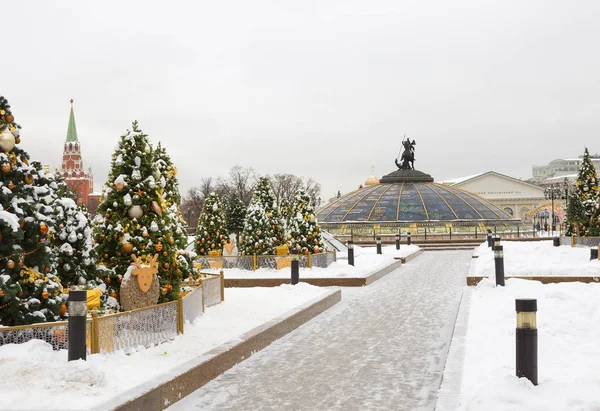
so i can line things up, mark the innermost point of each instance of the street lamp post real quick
(555, 191)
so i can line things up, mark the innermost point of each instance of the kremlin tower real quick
(79, 180)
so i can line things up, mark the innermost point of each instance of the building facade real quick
(79, 178)
(562, 167)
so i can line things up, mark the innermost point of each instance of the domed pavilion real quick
(409, 200)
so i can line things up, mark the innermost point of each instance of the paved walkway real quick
(382, 348)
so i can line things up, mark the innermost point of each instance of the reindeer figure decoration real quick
(144, 273)
(146, 290)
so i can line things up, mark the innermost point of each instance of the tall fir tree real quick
(211, 233)
(30, 292)
(305, 233)
(131, 218)
(235, 215)
(169, 191)
(586, 188)
(72, 242)
(263, 229)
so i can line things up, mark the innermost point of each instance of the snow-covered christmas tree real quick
(235, 215)
(132, 217)
(263, 229)
(303, 229)
(172, 200)
(211, 233)
(30, 292)
(586, 189)
(72, 241)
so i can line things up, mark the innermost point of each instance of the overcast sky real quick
(321, 89)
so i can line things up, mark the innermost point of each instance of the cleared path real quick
(382, 348)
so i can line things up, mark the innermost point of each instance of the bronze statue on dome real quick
(408, 155)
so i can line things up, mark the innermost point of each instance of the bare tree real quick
(285, 187)
(240, 183)
(314, 190)
(192, 205)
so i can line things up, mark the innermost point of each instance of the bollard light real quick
(499, 264)
(495, 241)
(350, 252)
(408, 238)
(295, 267)
(593, 253)
(76, 325)
(489, 238)
(378, 245)
(397, 241)
(556, 242)
(526, 339)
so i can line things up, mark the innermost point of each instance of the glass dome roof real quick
(409, 201)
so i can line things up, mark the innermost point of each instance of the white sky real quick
(321, 89)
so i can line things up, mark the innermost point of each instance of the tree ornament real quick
(119, 185)
(136, 211)
(7, 140)
(158, 247)
(127, 248)
(28, 179)
(82, 281)
(145, 234)
(10, 264)
(63, 310)
(45, 294)
(44, 229)
(9, 118)
(5, 168)
(165, 253)
(10, 185)
(114, 295)
(1, 292)
(169, 287)
(163, 291)
(156, 208)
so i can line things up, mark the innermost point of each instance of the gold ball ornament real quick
(21, 264)
(163, 291)
(119, 186)
(158, 247)
(169, 287)
(44, 294)
(171, 240)
(5, 168)
(166, 265)
(9, 118)
(107, 280)
(28, 179)
(1, 292)
(145, 234)
(156, 208)
(127, 248)
(165, 253)
(7, 140)
(10, 264)
(10, 185)
(44, 229)
(114, 295)
(63, 310)
(17, 140)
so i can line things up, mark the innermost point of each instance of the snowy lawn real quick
(536, 258)
(61, 385)
(568, 330)
(366, 261)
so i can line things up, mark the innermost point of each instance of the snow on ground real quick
(59, 384)
(366, 261)
(537, 258)
(568, 321)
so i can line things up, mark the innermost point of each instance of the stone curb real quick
(186, 378)
(323, 282)
(471, 281)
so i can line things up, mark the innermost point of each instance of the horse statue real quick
(408, 156)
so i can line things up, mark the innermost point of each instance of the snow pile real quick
(84, 384)
(568, 321)
(537, 258)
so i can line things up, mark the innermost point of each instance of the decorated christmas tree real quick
(172, 201)
(586, 189)
(30, 292)
(72, 242)
(132, 218)
(211, 233)
(305, 233)
(235, 215)
(263, 229)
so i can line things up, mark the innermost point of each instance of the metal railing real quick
(575, 241)
(256, 261)
(143, 327)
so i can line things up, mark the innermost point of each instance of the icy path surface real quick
(382, 348)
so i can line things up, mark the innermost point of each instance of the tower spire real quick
(72, 130)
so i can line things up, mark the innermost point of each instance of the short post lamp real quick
(495, 241)
(499, 264)
(295, 266)
(527, 339)
(408, 238)
(556, 241)
(593, 253)
(350, 252)
(489, 238)
(378, 244)
(397, 241)
(76, 324)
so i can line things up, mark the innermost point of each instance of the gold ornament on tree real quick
(127, 248)
(156, 208)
